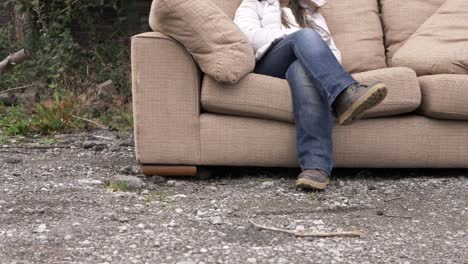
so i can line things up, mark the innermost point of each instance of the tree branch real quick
(309, 233)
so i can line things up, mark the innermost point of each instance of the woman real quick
(292, 41)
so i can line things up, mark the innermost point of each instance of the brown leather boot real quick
(351, 104)
(312, 179)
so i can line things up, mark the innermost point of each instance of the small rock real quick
(127, 143)
(217, 220)
(92, 143)
(122, 229)
(85, 243)
(145, 192)
(141, 226)
(267, 184)
(157, 179)
(291, 226)
(68, 237)
(251, 260)
(12, 160)
(123, 219)
(318, 222)
(341, 183)
(171, 183)
(114, 148)
(99, 148)
(41, 228)
(178, 210)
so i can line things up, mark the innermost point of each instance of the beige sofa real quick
(184, 119)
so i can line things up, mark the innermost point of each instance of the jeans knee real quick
(294, 70)
(308, 35)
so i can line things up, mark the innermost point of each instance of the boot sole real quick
(373, 97)
(309, 184)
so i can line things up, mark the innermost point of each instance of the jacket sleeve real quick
(248, 20)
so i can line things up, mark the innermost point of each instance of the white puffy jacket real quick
(261, 23)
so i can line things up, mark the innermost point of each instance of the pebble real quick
(141, 226)
(251, 260)
(68, 237)
(291, 226)
(171, 183)
(92, 143)
(12, 160)
(41, 228)
(267, 184)
(157, 179)
(122, 228)
(318, 222)
(99, 148)
(217, 220)
(127, 143)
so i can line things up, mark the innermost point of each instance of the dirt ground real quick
(67, 204)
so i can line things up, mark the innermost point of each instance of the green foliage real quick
(55, 36)
(14, 121)
(120, 186)
(120, 119)
(56, 116)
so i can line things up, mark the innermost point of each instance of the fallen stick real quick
(309, 233)
(382, 213)
(34, 147)
(16, 88)
(91, 121)
(102, 137)
(392, 199)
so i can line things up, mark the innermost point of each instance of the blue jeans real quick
(315, 78)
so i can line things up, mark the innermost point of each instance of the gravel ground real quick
(67, 204)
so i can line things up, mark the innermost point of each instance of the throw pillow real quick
(440, 45)
(214, 40)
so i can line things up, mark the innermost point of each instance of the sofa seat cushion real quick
(267, 97)
(444, 96)
(440, 45)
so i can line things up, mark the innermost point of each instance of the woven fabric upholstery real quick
(445, 96)
(165, 88)
(268, 97)
(355, 27)
(228, 6)
(401, 18)
(440, 45)
(214, 40)
(396, 142)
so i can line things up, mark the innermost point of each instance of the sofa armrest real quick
(166, 101)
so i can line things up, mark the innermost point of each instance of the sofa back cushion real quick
(214, 40)
(440, 45)
(401, 18)
(357, 31)
(355, 27)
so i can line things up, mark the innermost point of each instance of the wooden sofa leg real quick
(161, 170)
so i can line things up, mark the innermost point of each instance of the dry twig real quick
(92, 122)
(310, 233)
(393, 198)
(16, 88)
